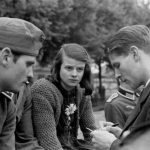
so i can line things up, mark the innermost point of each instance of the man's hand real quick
(108, 126)
(114, 130)
(103, 124)
(103, 139)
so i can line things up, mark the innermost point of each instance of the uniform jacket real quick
(47, 102)
(7, 122)
(140, 114)
(25, 139)
(119, 106)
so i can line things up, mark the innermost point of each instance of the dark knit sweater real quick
(47, 104)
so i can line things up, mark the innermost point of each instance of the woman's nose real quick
(74, 73)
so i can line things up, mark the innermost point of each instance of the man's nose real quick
(30, 72)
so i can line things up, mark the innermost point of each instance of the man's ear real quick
(134, 51)
(6, 56)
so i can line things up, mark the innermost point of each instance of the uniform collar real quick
(126, 93)
(8, 94)
(147, 82)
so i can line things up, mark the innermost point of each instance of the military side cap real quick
(21, 36)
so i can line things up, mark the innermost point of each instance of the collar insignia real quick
(127, 93)
(112, 97)
(8, 94)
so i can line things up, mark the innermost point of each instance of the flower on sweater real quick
(70, 110)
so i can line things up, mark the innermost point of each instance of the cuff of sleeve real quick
(115, 144)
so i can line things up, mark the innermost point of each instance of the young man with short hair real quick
(129, 53)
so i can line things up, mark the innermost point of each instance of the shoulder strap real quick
(113, 96)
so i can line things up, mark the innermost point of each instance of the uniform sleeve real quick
(115, 145)
(25, 139)
(44, 120)
(113, 114)
(87, 118)
(7, 138)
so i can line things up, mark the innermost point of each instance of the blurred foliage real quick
(87, 22)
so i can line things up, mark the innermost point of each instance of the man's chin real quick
(17, 89)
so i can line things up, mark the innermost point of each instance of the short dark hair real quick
(76, 52)
(135, 134)
(121, 41)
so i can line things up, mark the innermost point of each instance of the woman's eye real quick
(69, 68)
(80, 69)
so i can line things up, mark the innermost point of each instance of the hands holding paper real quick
(110, 127)
(105, 135)
(103, 139)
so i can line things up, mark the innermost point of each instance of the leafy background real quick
(87, 22)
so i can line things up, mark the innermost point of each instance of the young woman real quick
(62, 102)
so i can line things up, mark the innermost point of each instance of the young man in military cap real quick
(19, 44)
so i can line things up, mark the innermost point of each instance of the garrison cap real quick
(20, 36)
